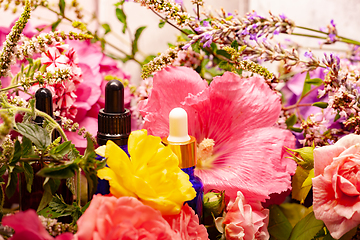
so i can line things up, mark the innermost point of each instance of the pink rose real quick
(336, 185)
(186, 225)
(246, 220)
(110, 218)
(27, 226)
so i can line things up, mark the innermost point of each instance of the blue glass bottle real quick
(197, 202)
(184, 147)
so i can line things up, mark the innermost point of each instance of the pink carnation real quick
(109, 218)
(27, 226)
(246, 221)
(233, 121)
(186, 225)
(336, 185)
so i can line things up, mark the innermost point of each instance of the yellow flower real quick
(152, 175)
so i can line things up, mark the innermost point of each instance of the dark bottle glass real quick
(31, 200)
(114, 123)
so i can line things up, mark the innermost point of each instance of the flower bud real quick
(214, 203)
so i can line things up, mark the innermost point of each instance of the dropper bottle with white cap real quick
(184, 146)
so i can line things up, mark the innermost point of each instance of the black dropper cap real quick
(44, 103)
(114, 121)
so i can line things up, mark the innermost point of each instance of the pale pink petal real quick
(348, 141)
(171, 86)
(324, 156)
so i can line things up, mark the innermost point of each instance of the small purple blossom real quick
(206, 24)
(276, 32)
(308, 54)
(282, 16)
(332, 22)
(332, 37)
(208, 43)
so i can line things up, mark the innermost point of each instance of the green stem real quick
(15, 86)
(39, 113)
(311, 29)
(78, 187)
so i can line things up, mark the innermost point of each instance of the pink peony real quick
(336, 185)
(27, 226)
(109, 218)
(246, 221)
(233, 121)
(186, 225)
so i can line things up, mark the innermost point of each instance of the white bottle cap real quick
(178, 126)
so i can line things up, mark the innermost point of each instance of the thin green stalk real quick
(78, 187)
(41, 114)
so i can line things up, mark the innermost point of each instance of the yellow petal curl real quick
(152, 175)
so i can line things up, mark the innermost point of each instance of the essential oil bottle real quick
(114, 123)
(184, 146)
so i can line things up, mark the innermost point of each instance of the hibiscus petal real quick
(254, 165)
(162, 99)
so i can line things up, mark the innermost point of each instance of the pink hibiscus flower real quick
(233, 121)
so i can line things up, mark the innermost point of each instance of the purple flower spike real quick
(208, 43)
(276, 32)
(332, 37)
(206, 24)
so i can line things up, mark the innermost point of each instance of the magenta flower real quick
(233, 121)
(27, 226)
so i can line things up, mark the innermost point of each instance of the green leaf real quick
(225, 65)
(307, 228)
(308, 180)
(298, 192)
(66, 170)
(223, 53)
(291, 120)
(320, 104)
(60, 151)
(17, 153)
(29, 175)
(62, 7)
(307, 86)
(50, 187)
(11, 184)
(55, 25)
(161, 23)
(30, 60)
(196, 47)
(89, 166)
(38, 135)
(337, 117)
(2, 170)
(294, 212)
(294, 129)
(314, 81)
(138, 32)
(106, 27)
(122, 18)
(235, 44)
(279, 226)
(26, 147)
